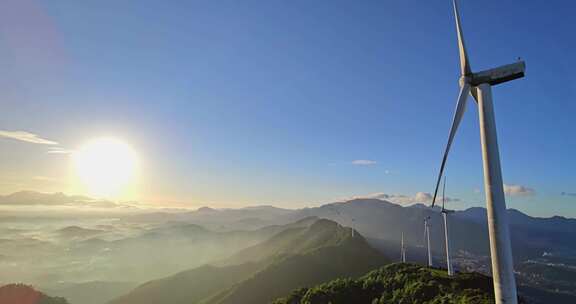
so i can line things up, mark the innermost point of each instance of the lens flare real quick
(106, 167)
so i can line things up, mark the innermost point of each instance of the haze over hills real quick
(318, 251)
(89, 292)
(101, 256)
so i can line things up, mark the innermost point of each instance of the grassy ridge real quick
(398, 283)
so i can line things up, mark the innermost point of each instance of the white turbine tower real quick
(479, 85)
(427, 236)
(353, 226)
(445, 213)
(403, 249)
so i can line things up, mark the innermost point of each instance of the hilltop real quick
(398, 283)
(24, 294)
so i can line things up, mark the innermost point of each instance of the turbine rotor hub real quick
(464, 79)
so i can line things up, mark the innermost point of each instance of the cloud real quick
(47, 179)
(364, 162)
(26, 137)
(568, 194)
(423, 197)
(419, 197)
(518, 190)
(33, 198)
(59, 150)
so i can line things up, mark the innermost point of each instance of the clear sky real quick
(290, 103)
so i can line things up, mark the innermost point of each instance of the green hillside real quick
(398, 283)
(348, 259)
(295, 257)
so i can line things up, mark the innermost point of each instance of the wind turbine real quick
(403, 249)
(445, 213)
(427, 236)
(479, 85)
(353, 226)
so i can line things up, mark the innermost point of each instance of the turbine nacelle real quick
(497, 75)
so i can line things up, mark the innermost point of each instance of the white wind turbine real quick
(427, 237)
(445, 213)
(479, 85)
(403, 249)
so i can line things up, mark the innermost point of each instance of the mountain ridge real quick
(318, 246)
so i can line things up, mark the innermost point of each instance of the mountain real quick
(221, 219)
(323, 252)
(545, 241)
(169, 248)
(398, 283)
(532, 236)
(143, 246)
(379, 219)
(77, 232)
(24, 294)
(383, 220)
(311, 254)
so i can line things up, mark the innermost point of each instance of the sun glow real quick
(106, 167)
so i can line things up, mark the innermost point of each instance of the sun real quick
(106, 167)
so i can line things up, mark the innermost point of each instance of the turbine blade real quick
(464, 64)
(458, 113)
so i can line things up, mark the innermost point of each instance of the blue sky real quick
(232, 103)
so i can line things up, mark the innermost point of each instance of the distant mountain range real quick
(377, 219)
(231, 251)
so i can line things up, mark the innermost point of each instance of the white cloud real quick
(59, 150)
(518, 190)
(27, 137)
(33, 198)
(46, 179)
(423, 197)
(364, 162)
(419, 197)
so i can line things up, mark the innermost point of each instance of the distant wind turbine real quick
(403, 249)
(445, 213)
(479, 85)
(427, 237)
(353, 227)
